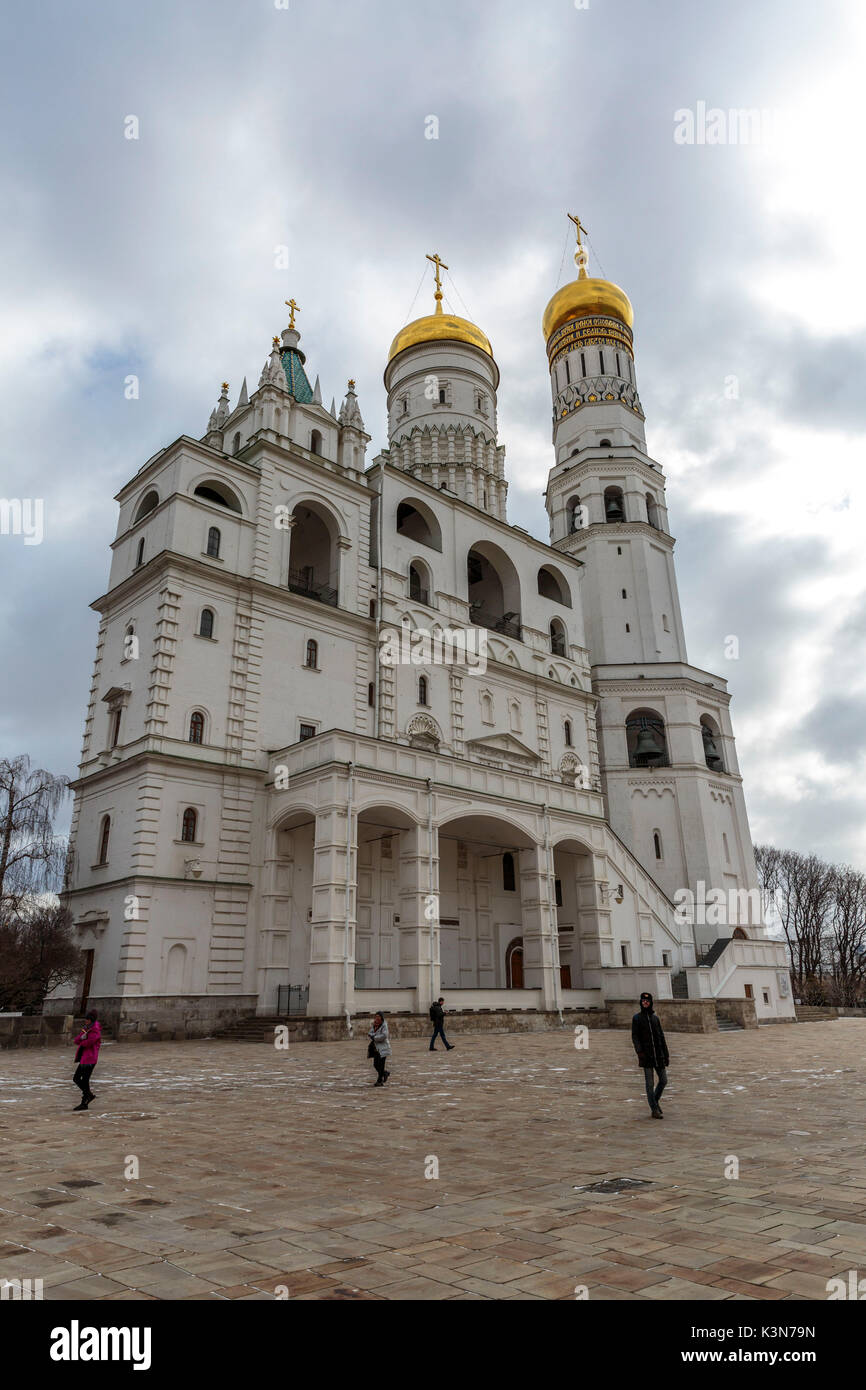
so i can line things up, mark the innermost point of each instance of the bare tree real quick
(31, 855)
(848, 923)
(801, 890)
(37, 953)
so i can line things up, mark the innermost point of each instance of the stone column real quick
(419, 915)
(328, 946)
(539, 925)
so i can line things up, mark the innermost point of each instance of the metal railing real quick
(506, 623)
(305, 584)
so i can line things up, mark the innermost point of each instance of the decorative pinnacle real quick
(351, 383)
(276, 340)
(225, 386)
(438, 263)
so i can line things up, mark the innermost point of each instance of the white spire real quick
(317, 393)
(244, 397)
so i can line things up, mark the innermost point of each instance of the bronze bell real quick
(613, 509)
(711, 752)
(646, 746)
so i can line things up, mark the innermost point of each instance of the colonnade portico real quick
(386, 894)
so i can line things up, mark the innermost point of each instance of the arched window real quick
(557, 638)
(567, 727)
(196, 727)
(652, 511)
(418, 586)
(218, 493)
(175, 969)
(657, 844)
(646, 739)
(614, 510)
(605, 444)
(205, 627)
(213, 542)
(552, 585)
(712, 744)
(148, 503)
(487, 708)
(515, 716)
(422, 690)
(418, 522)
(509, 882)
(139, 554)
(316, 442)
(576, 514)
(236, 443)
(104, 836)
(115, 728)
(130, 643)
(371, 694)
(312, 657)
(189, 824)
(314, 554)
(494, 590)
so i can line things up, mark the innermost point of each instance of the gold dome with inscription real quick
(587, 296)
(438, 326)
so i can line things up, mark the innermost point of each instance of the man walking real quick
(437, 1014)
(648, 1038)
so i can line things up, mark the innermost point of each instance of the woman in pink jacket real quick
(88, 1041)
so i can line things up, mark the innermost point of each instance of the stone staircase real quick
(727, 1025)
(256, 1028)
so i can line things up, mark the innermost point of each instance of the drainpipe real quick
(551, 894)
(431, 888)
(350, 767)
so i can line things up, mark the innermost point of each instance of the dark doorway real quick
(514, 965)
(85, 982)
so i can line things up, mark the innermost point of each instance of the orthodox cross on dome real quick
(439, 265)
(295, 309)
(581, 255)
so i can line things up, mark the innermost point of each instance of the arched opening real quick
(558, 638)
(149, 501)
(646, 739)
(657, 844)
(494, 590)
(139, 554)
(739, 935)
(652, 511)
(219, 494)
(205, 627)
(605, 444)
(486, 708)
(104, 837)
(236, 443)
(514, 964)
(576, 513)
(313, 560)
(552, 585)
(213, 542)
(419, 582)
(311, 656)
(315, 441)
(371, 694)
(189, 825)
(712, 742)
(567, 732)
(422, 691)
(417, 522)
(196, 727)
(614, 507)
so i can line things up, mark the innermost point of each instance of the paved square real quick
(264, 1171)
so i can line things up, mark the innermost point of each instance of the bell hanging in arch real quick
(613, 508)
(646, 746)
(711, 752)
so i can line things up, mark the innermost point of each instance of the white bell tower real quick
(668, 758)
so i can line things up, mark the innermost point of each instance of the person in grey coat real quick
(379, 1048)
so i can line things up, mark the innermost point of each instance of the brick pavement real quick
(284, 1173)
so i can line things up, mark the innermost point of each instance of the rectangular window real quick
(601, 361)
(618, 372)
(307, 731)
(558, 888)
(766, 994)
(623, 951)
(749, 993)
(666, 959)
(583, 364)
(567, 375)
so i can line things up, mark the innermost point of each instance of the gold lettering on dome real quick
(582, 333)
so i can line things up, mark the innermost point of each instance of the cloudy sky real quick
(303, 124)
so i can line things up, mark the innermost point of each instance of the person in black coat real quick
(648, 1038)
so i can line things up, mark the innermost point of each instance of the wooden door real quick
(85, 983)
(565, 976)
(516, 967)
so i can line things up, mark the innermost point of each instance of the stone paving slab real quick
(269, 1174)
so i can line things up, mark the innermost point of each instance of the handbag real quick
(79, 1054)
(371, 1049)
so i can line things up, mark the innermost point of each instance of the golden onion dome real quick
(439, 327)
(583, 298)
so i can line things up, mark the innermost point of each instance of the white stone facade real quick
(263, 802)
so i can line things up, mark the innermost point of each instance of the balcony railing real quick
(302, 583)
(419, 595)
(506, 623)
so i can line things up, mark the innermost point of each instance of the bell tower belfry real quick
(668, 758)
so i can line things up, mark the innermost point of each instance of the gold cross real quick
(295, 308)
(438, 262)
(579, 227)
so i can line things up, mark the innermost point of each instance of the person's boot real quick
(451, 1047)
(385, 1075)
(656, 1114)
(659, 1109)
(83, 1105)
